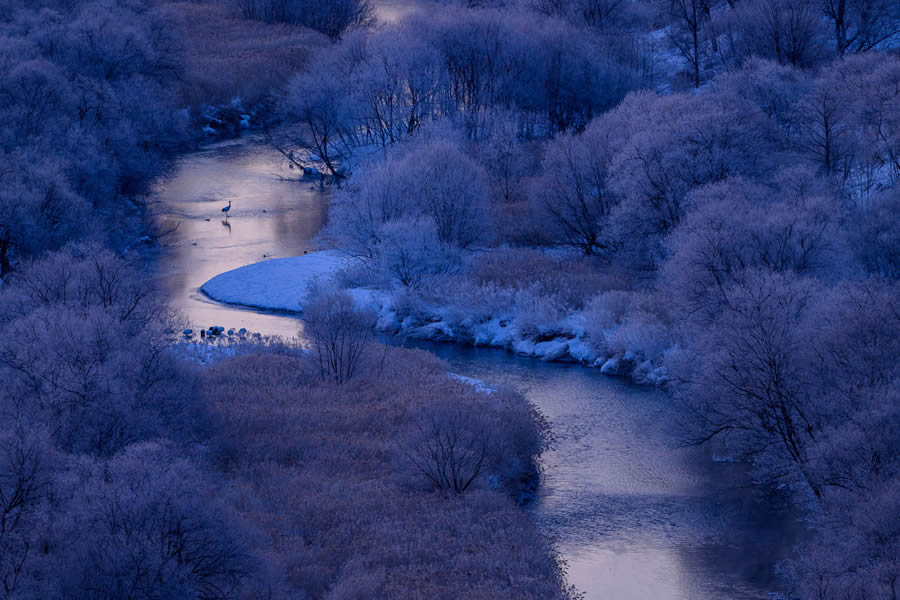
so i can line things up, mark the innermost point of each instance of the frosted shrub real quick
(641, 334)
(458, 438)
(147, 522)
(573, 281)
(604, 313)
(462, 299)
(409, 250)
(433, 184)
(538, 314)
(450, 447)
(339, 335)
(355, 274)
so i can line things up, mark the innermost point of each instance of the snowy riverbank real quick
(276, 284)
(282, 284)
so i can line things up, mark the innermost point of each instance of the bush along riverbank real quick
(601, 332)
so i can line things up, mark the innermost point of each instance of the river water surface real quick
(634, 513)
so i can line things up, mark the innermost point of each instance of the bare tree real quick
(573, 194)
(319, 103)
(861, 25)
(338, 335)
(23, 475)
(754, 386)
(826, 127)
(601, 13)
(788, 31)
(692, 17)
(450, 447)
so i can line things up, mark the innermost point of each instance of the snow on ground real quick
(276, 284)
(282, 284)
(480, 386)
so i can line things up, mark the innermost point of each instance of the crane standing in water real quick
(226, 209)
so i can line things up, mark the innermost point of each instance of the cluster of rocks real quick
(216, 331)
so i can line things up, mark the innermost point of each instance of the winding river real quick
(635, 514)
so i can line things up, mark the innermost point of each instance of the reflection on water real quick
(270, 217)
(634, 514)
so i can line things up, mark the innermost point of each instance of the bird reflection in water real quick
(226, 224)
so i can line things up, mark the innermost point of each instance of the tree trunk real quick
(5, 247)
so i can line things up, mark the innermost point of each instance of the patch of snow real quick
(440, 332)
(276, 284)
(552, 350)
(658, 376)
(524, 347)
(610, 367)
(582, 351)
(479, 385)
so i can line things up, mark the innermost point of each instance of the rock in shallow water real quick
(611, 367)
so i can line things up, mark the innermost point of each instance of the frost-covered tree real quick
(319, 102)
(573, 193)
(38, 210)
(27, 465)
(775, 89)
(433, 180)
(862, 25)
(875, 237)
(147, 524)
(339, 336)
(87, 117)
(751, 383)
(95, 391)
(737, 225)
(789, 32)
(690, 21)
(663, 147)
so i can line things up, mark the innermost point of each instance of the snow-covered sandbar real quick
(275, 284)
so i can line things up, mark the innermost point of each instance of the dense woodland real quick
(703, 187)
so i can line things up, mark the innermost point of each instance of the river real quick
(633, 512)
